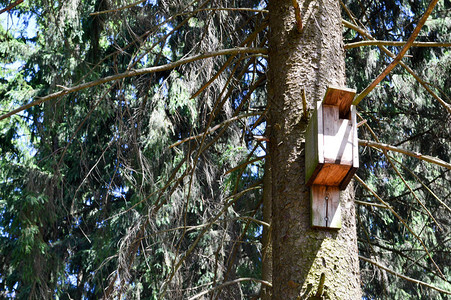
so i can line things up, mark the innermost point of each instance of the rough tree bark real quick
(311, 60)
(266, 237)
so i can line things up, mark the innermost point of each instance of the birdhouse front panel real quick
(326, 211)
(331, 155)
(331, 143)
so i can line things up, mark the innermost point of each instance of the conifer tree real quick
(134, 138)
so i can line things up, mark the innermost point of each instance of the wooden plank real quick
(341, 97)
(334, 208)
(318, 205)
(314, 157)
(355, 151)
(325, 206)
(347, 179)
(331, 174)
(311, 148)
(355, 139)
(320, 123)
(338, 137)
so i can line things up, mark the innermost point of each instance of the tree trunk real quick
(310, 60)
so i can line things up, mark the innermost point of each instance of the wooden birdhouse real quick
(331, 154)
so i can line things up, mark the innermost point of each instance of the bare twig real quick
(369, 204)
(420, 156)
(247, 162)
(394, 43)
(364, 33)
(255, 221)
(132, 73)
(401, 220)
(195, 11)
(229, 283)
(400, 55)
(297, 14)
(403, 276)
(228, 202)
(11, 6)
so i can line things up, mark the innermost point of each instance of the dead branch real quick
(394, 43)
(420, 156)
(364, 33)
(297, 14)
(247, 162)
(403, 276)
(11, 6)
(400, 55)
(194, 11)
(229, 283)
(369, 204)
(401, 220)
(132, 73)
(227, 203)
(214, 128)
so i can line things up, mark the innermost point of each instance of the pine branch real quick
(400, 55)
(229, 283)
(194, 11)
(394, 43)
(403, 276)
(406, 67)
(402, 178)
(420, 156)
(214, 128)
(401, 220)
(423, 184)
(11, 6)
(228, 202)
(365, 34)
(132, 73)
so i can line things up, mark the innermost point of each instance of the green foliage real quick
(94, 200)
(91, 194)
(402, 113)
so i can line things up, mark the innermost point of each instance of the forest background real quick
(135, 164)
